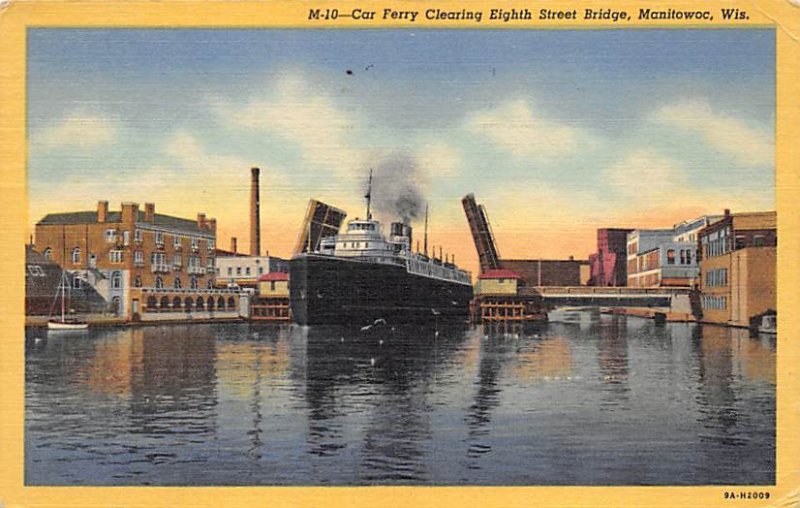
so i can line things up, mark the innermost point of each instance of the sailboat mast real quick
(63, 302)
(369, 195)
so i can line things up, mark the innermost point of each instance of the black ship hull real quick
(332, 290)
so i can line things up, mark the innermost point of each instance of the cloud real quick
(295, 111)
(749, 145)
(515, 126)
(646, 176)
(81, 130)
(438, 159)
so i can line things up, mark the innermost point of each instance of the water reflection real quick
(591, 399)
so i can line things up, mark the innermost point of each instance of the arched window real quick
(116, 308)
(194, 282)
(231, 303)
(210, 303)
(221, 303)
(177, 284)
(137, 282)
(159, 283)
(116, 280)
(187, 303)
(200, 303)
(176, 303)
(164, 304)
(151, 303)
(48, 253)
(76, 255)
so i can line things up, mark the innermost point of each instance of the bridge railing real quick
(600, 291)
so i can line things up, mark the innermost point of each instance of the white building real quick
(240, 270)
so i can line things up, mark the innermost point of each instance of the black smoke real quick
(395, 189)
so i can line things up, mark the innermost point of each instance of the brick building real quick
(134, 257)
(738, 258)
(548, 272)
(608, 264)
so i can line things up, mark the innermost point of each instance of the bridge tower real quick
(482, 234)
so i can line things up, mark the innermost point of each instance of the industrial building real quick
(666, 257)
(738, 258)
(549, 272)
(234, 269)
(608, 266)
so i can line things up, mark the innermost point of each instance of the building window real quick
(76, 255)
(210, 244)
(176, 242)
(116, 280)
(671, 256)
(35, 271)
(194, 282)
(195, 244)
(138, 257)
(238, 270)
(272, 285)
(230, 270)
(111, 235)
(176, 260)
(210, 284)
(115, 256)
(159, 283)
(177, 284)
(77, 282)
(137, 282)
(160, 238)
(260, 270)
(126, 237)
(137, 235)
(247, 270)
(48, 253)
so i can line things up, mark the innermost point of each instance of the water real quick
(589, 400)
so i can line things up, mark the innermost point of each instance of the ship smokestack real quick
(255, 214)
(233, 244)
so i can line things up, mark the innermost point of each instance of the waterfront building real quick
(137, 260)
(272, 301)
(738, 257)
(666, 257)
(233, 269)
(496, 297)
(498, 282)
(609, 264)
(42, 278)
(549, 272)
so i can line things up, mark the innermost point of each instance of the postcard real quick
(375, 253)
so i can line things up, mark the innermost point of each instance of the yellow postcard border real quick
(16, 17)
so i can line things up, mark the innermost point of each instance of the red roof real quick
(274, 276)
(500, 274)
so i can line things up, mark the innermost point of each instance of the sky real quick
(556, 132)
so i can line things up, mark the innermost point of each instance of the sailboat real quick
(65, 323)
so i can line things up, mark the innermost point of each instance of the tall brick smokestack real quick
(255, 214)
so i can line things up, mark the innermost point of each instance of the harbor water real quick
(587, 399)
